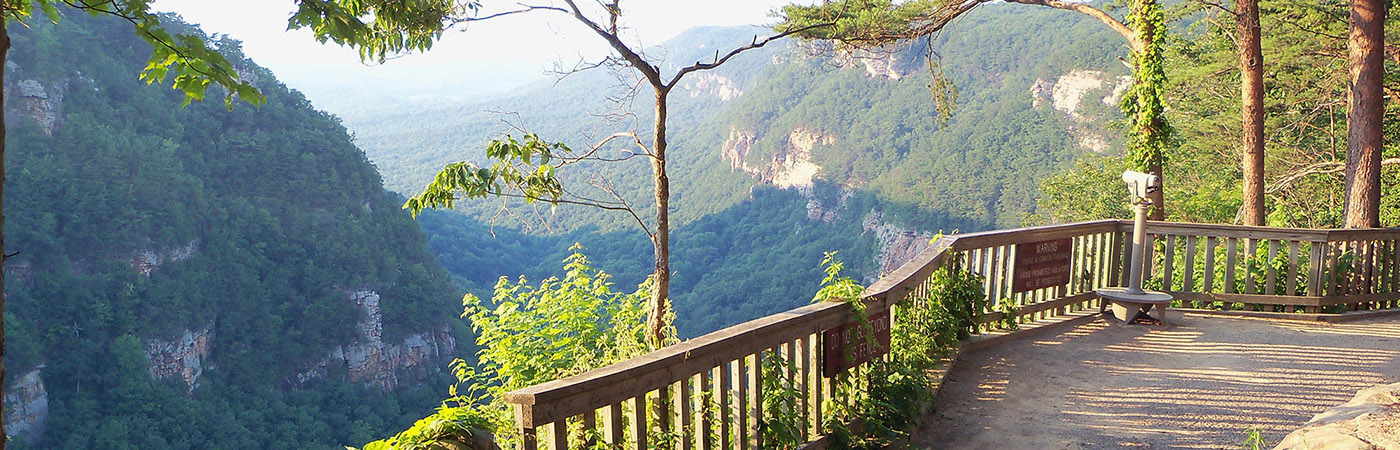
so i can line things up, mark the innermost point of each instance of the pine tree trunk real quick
(1364, 110)
(4, 54)
(661, 239)
(1252, 110)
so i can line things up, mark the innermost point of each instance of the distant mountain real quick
(852, 141)
(198, 277)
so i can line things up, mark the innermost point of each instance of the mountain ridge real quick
(202, 260)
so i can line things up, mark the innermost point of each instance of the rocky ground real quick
(1371, 420)
(1202, 382)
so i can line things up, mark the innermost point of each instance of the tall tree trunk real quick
(1150, 127)
(4, 54)
(1251, 110)
(1366, 53)
(661, 239)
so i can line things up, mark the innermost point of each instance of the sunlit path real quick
(1200, 383)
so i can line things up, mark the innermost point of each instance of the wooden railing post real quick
(708, 391)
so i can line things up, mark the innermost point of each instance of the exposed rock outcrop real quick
(182, 357)
(21, 270)
(791, 167)
(711, 84)
(897, 244)
(148, 260)
(736, 149)
(1068, 93)
(38, 102)
(369, 360)
(1371, 420)
(819, 211)
(26, 404)
(879, 63)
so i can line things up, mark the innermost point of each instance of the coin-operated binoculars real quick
(1132, 303)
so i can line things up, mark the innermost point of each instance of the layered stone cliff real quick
(791, 167)
(181, 357)
(1068, 94)
(26, 404)
(370, 360)
(897, 244)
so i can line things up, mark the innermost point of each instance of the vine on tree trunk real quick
(1150, 135)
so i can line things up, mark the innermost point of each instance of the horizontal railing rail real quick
(1274, 269)
(707, 392)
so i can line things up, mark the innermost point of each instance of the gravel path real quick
(1199, 383)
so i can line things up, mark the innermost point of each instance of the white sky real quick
(487, 57)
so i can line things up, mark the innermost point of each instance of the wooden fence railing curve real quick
(706, 392)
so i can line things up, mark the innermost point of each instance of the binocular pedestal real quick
(1129, 307)
(1131, 303)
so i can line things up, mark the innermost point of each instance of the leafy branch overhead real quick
(874, 23)
(194, 64)
(380, 28)
(522, 169)
(528, 170)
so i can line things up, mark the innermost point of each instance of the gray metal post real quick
(1139, 247)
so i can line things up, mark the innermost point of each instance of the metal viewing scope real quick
(1140, 185)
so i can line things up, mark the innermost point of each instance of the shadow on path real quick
(1201, 382)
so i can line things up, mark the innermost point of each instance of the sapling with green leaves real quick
(522, 169)
(530, 334)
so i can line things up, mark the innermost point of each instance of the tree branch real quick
(523, 9)
(719, 60)
(1322, 168)
(652, 73)
(1084, 8)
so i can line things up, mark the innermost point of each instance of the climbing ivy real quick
(1151, 134)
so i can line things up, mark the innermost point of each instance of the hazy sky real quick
(485, 57)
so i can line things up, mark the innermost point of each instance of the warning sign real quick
(1041, 264)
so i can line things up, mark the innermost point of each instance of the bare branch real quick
(588, 156)
(523, 9)
(606, 185)
(1322, 168)
(753, 45)
(652, 73)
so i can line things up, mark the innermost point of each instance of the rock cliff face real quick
(710, 84)
(820, 211)
(26, 404)
(148, 260)
(182, 357)
(879, 63)
(897, 244)
(40, 103)
(1068, 93)
(370, 360)
(790, 168)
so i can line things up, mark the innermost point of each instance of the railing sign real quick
(848, 345)
(1041, 264)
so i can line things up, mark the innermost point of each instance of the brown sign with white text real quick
(849, 345)
(1041, 264)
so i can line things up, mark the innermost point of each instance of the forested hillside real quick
(198, 277)
(846, 150)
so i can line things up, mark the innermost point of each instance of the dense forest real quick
(205, 277)
(741, 136)
(182, 274)
(875, 126)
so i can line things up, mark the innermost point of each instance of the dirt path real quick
(1200, 383)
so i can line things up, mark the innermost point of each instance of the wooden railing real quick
(707, 392)
(1274, 269)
